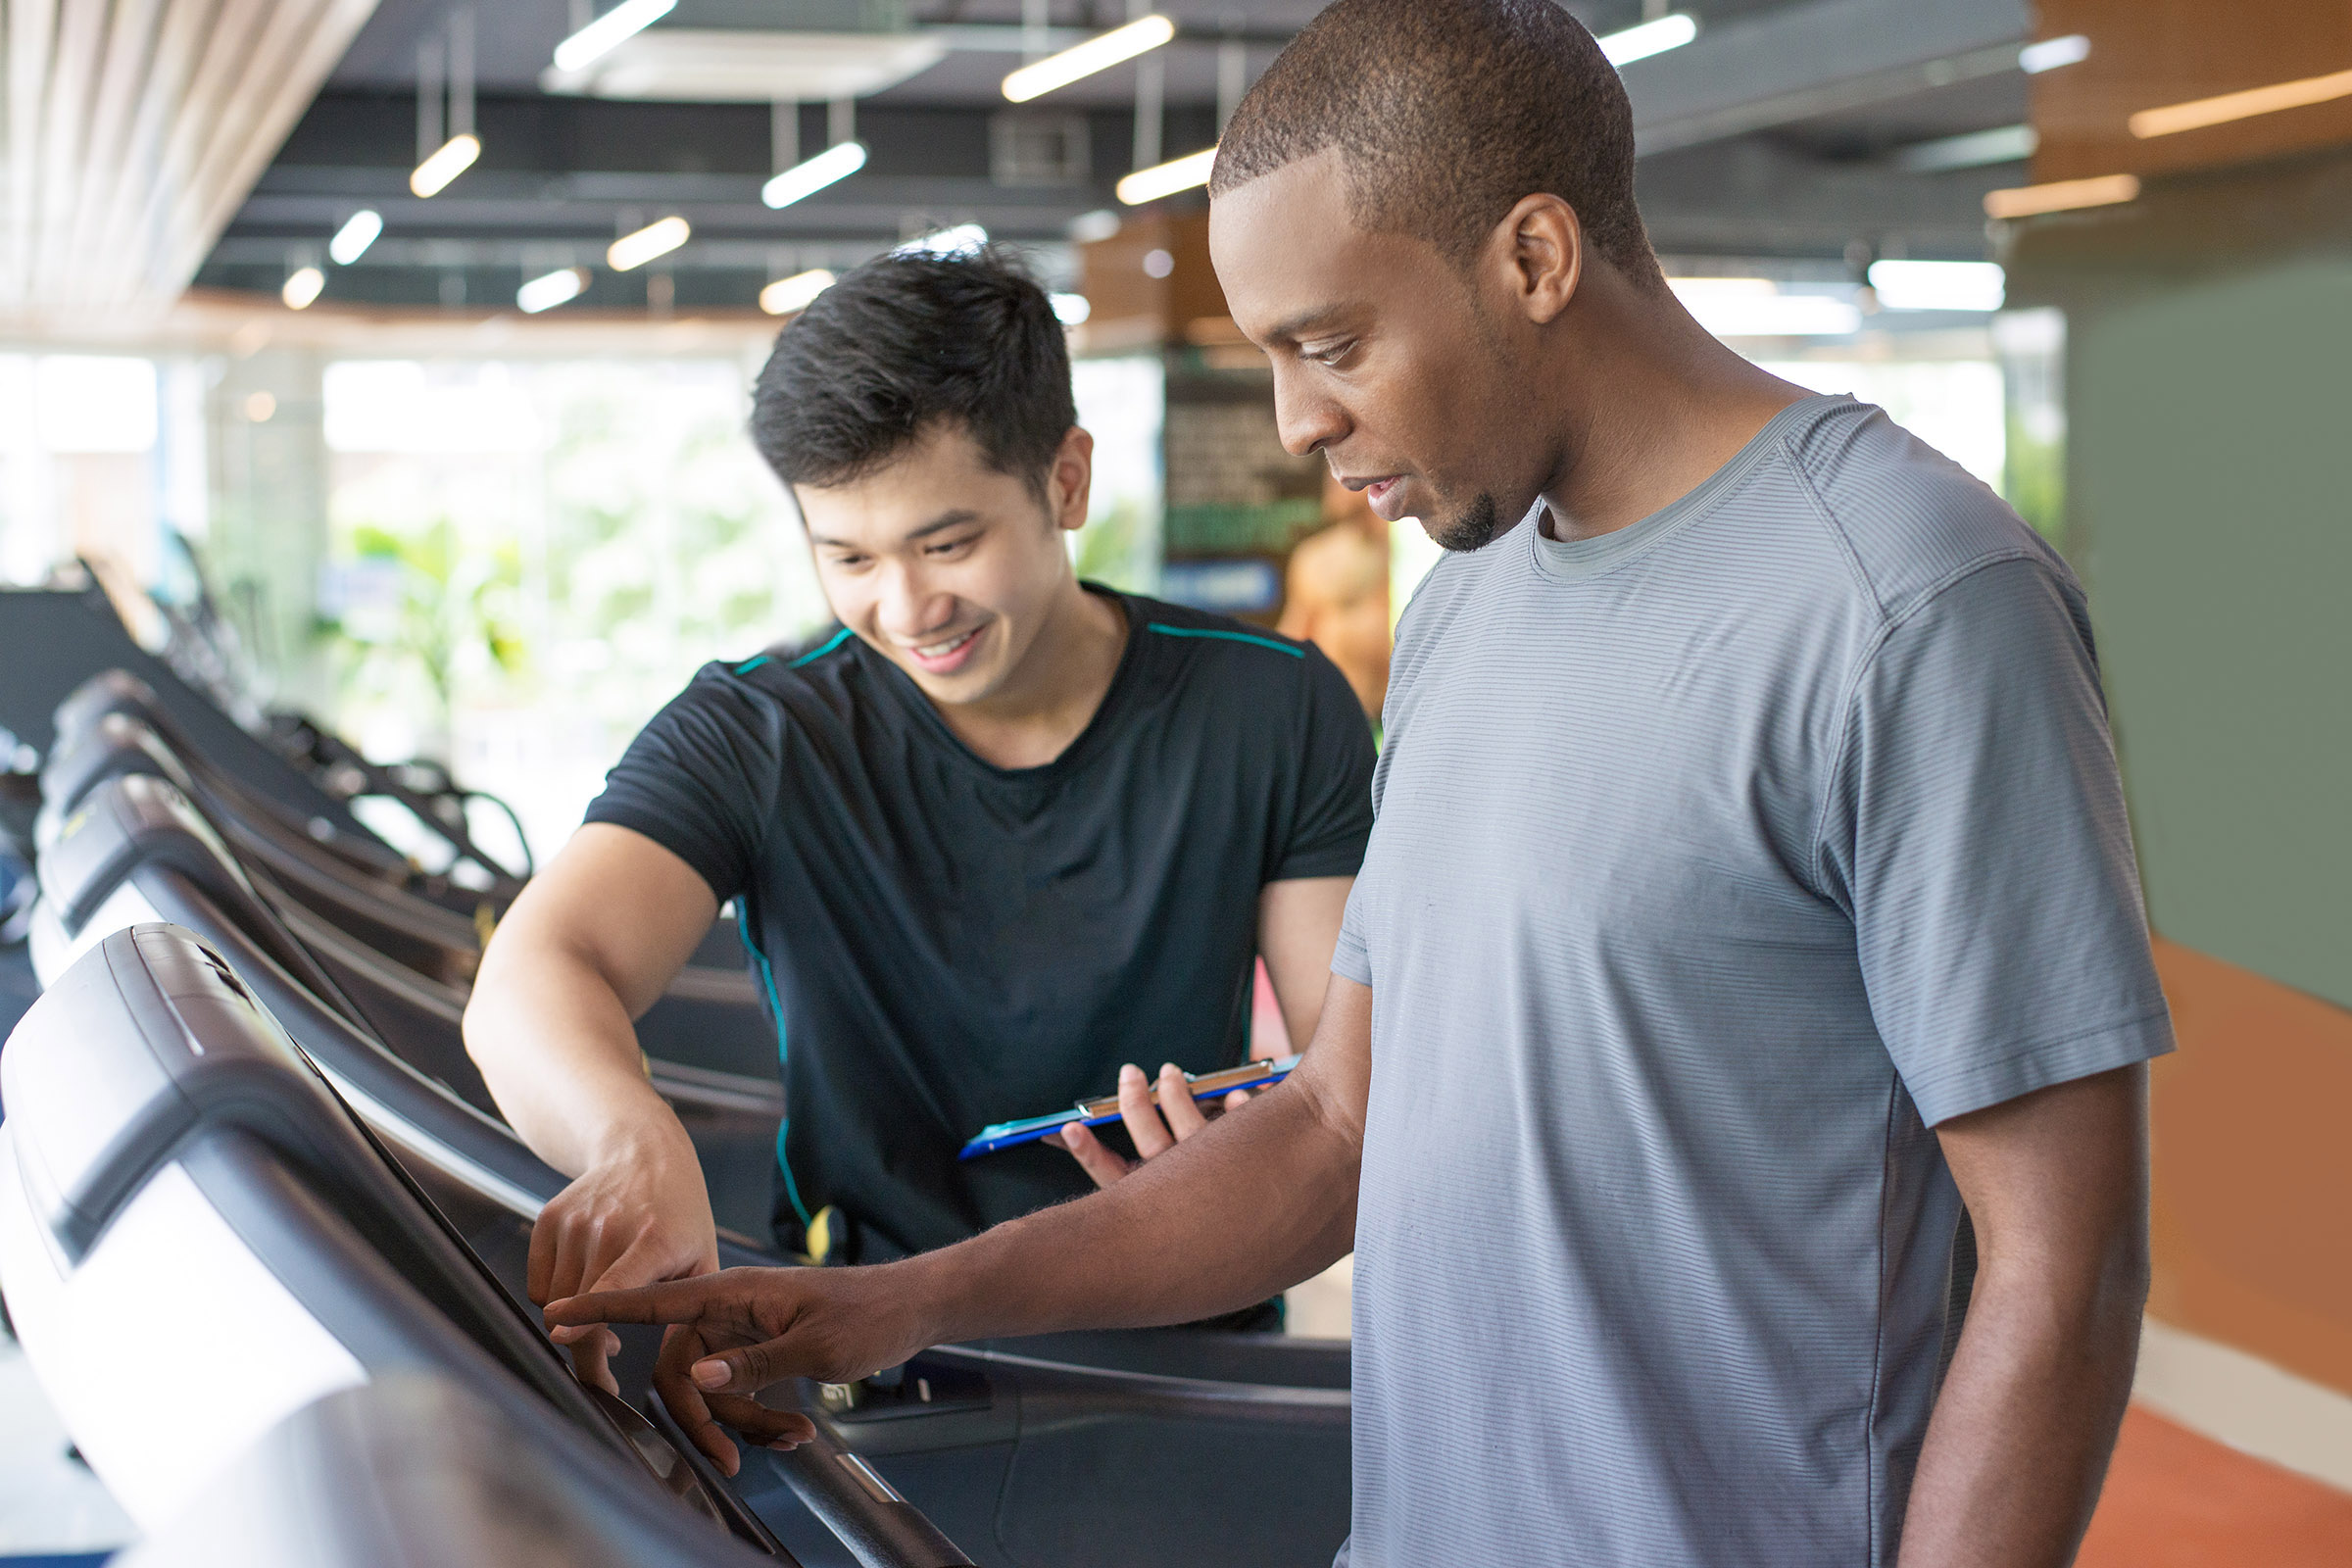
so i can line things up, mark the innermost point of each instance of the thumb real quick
(746, 1370)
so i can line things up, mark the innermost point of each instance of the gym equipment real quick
(168, 1151)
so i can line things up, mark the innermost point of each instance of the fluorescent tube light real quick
(1072, 310)
(302, 285)
(962, 240)
(807, 177)
(2051, 53)
(546, 292)
(1166, 179)
(2003, 144)
(1099, 52)
(357, 232)
(1939, 286)
(2200, 113)
(2061, 196)
(659, 238)
(455, 155)
(789, 294)
(1649, 38)
(608, 32)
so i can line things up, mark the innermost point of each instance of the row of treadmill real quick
(263, 1239)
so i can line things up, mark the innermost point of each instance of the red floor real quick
(2174, 1499)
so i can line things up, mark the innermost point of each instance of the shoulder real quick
(769, 691)
(1231, 664)
(1909, 520)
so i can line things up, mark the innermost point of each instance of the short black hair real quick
(1447, 114)
(908, 342)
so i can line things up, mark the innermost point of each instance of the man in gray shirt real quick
(1750, 889)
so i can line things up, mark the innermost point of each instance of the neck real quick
(1679, 405)
(1051, 697)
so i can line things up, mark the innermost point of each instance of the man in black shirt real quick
(996, 835)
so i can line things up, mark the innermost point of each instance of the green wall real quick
(2208, 468)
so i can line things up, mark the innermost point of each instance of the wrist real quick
(647, 1136)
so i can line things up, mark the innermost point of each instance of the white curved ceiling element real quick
(133, 130)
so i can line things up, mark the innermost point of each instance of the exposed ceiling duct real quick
(135, 129)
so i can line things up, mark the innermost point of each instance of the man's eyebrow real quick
(951, 519)
(1306, 322)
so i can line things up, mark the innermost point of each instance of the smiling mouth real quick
(947, 654)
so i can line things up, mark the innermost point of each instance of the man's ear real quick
(1070, 480)
(1538, 248)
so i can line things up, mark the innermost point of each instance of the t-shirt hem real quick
(664, 831)
(1982, 1084)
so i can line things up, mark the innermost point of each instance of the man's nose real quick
(911, 605)
(1305, 419)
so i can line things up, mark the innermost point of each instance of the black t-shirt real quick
(949, 943)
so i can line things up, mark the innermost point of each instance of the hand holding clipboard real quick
(1208, 1086)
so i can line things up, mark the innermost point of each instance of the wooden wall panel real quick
(2252, 1124)
(2146, 53)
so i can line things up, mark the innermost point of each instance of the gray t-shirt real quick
(1717, 860)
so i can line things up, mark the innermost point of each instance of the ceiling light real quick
(1755, 307)
(1099, 52)
(813, 174)
(1649, 38)
(789, 294)
(455, 155)
(1166, 179)
(654, 239)
(2051, 53)
(1939, 285)
(2061, 196)
(962, 240)
(2003, 144)
(546, 292)
(302, 285)
(601, 36)
(357, 232)
(2200, 113)
(1072, 310)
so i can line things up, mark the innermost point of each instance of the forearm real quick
(559, 1052)
(2022, 1431)
(1190, 1234)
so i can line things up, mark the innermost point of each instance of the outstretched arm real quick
(2057, 1186)
(1187, 1236)
(589, 945)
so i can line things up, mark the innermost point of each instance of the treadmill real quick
(712, 1020)
(170, 1156)
(1028, 1452)
(415, 1468)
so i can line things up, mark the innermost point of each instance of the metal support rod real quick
(841, 122)
(1233, 78)
(783, 134)
(460, 73)
(431, 81)
(1036, 15)
(1151, 85)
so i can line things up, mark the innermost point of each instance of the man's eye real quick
(950, 547)
(1330, 353)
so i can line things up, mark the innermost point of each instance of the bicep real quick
(620, 902)
(1297, 927)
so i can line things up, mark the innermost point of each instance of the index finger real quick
(668, 1302)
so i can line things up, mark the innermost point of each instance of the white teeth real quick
(942, 650)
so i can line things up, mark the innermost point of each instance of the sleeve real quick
(1974, 831)
(1331, 816)
(700, 779)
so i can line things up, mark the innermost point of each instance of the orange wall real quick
(2252, 1123)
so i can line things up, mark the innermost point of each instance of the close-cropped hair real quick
(1446, 114)
(909, 343)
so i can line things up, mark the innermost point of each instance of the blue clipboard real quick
(1099, 1113)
